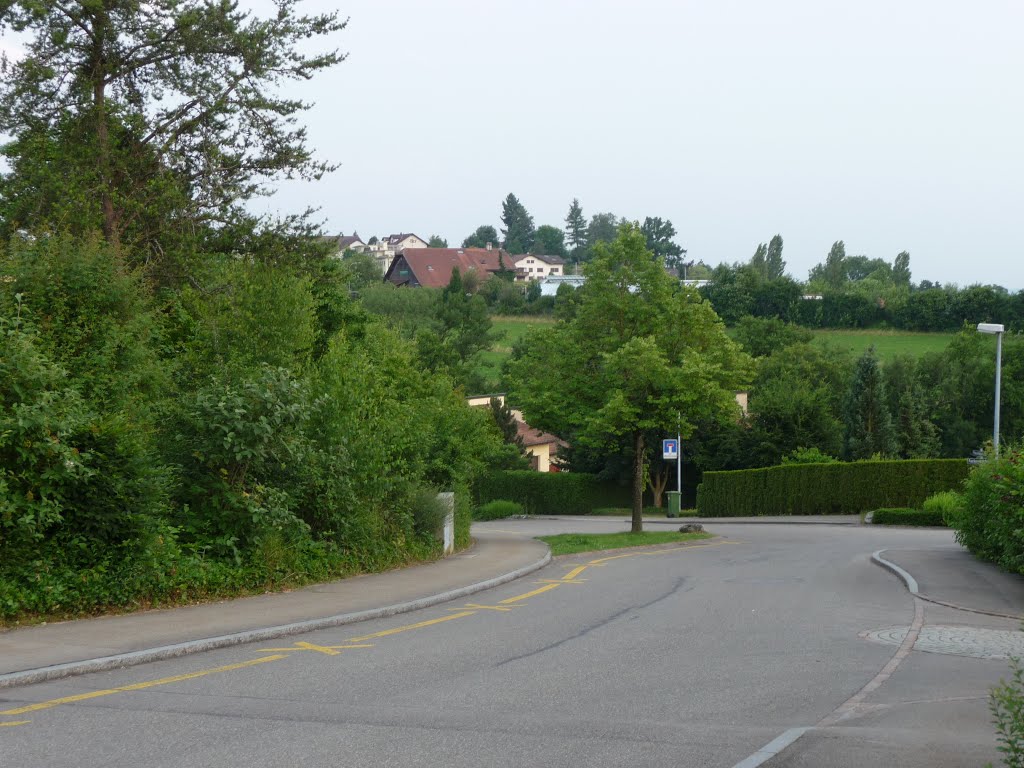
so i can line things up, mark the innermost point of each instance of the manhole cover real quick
(957, 641)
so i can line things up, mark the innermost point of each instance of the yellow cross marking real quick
(328, 650)
(534, 593)
(136, 687)
(407, 627)
(18, 722)
(486, 607)
(575, 572)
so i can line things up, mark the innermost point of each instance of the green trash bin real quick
(673, 503)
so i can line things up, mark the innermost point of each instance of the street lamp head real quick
(990, 327)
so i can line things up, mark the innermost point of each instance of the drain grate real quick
(957, 641)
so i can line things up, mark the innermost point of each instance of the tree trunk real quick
(639, 459)
(111, 226)
(657, 482)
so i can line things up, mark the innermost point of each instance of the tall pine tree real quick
(519, 231)
(576, 226)
(869, 429)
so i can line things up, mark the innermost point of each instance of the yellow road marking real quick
(575, 572)
(17, 722)
(487, 607)
(672, 550)
(538, 591)
(407, 627)
(136, 686)
(329, 650)
(560, 581)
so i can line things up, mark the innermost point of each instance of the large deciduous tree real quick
(659, 236)
(518, 231)
(138, 118)
(638, 355)
(482, 236)
(549, 241)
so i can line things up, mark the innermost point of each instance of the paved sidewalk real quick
(710, 521)
(950, 575)
(49, 651)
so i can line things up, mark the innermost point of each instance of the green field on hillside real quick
(888, 343)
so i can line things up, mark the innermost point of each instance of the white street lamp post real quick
(997, 329)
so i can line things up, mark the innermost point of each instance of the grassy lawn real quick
(887, 343)
(571, 543)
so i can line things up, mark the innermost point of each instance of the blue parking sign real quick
(670, 450)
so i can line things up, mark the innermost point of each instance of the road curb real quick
(121, 660)
(911, 584)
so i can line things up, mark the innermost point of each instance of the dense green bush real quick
(906, 516)
(497, 509)
(945, 504)
(550, 493)
(990, 521)
(826, 489)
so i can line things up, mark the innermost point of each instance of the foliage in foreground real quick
(990, 520)
(571, 543)
(212, 441)
(1006, 702)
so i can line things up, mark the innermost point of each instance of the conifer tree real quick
(869, 429)
(519, 231)
(576, 226)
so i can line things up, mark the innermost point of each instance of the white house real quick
(536, 266)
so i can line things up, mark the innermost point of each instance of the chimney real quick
(488, 246)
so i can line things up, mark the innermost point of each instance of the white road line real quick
(772, 748)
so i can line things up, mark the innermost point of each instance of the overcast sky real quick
(889, 125)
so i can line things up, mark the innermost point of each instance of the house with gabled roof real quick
(432, 267)
(537, 266)
(344, 243)
(397, 242)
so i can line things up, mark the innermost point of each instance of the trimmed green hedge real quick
(826, 489)
(550, 493)
(906, 516)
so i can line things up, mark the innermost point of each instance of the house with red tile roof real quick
(432, 267)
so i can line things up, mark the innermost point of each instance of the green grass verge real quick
(571, 543)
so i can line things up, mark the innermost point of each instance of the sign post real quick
(670, 452)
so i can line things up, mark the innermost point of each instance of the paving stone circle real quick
(957, 641)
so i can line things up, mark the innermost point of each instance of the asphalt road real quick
(696, 656)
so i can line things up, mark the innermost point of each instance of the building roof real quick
(541, 256)
(432, 267)
(396, 239)
(531, 436)
(343, 241)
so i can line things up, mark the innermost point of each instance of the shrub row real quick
(550, 493)
(826, 489)
(906, 516)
